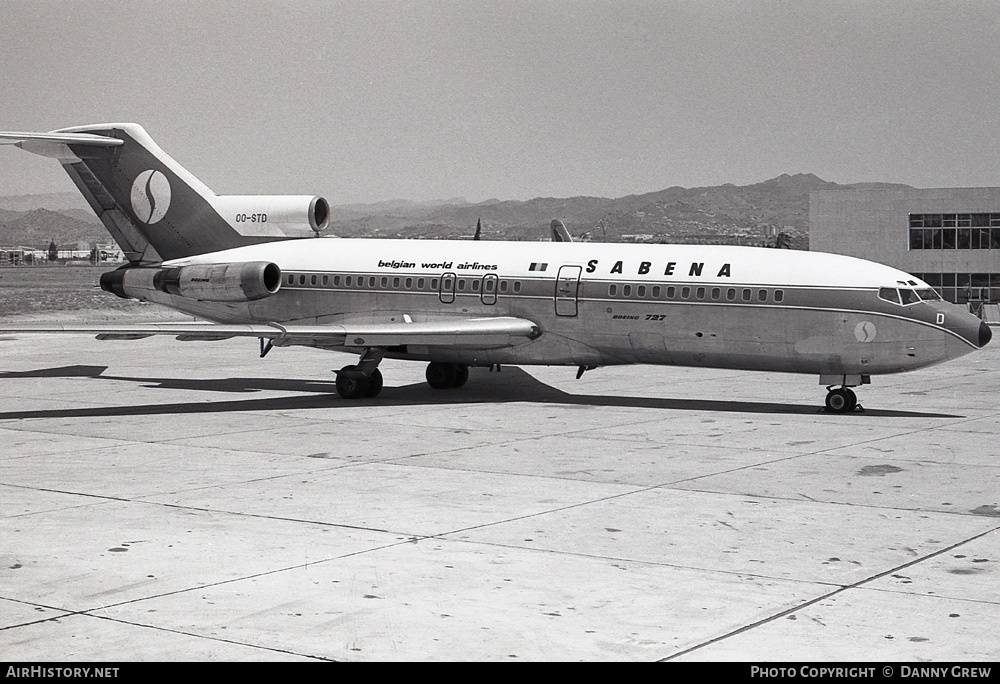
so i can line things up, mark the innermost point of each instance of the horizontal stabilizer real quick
(15, 138)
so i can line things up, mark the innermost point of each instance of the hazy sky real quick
(365, 101)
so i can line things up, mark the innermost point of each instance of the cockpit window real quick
(908, 296)
(889, 294)
(929, 295)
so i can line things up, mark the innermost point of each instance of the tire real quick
(461, 375)
(374, 384)
(839, 401)
(440, 375)
(351, 386)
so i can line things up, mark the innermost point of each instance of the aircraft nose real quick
(985, 334)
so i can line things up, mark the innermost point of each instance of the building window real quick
(954, 231)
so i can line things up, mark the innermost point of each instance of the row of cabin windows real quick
(714, 294)
(488, 285)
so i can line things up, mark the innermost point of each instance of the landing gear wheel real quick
(461, 375)
(441, 375)
(352, 385)
(374, 384)
(841, 400)
(852, 399)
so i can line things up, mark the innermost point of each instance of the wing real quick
(454, 333)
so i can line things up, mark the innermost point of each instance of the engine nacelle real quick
(274, 215)
(239, 282)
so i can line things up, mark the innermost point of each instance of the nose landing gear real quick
(841, 400)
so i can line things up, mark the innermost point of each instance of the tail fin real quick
(154, 208)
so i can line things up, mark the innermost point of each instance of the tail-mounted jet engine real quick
(239, 282)
(289, 215)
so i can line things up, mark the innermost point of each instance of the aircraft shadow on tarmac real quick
(510, 385)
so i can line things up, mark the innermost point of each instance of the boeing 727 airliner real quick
(254, 266)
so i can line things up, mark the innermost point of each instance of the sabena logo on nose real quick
(865, 331)
(150, 196)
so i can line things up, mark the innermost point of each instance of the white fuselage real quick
(603, 304)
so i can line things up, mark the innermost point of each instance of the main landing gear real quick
(364, 380)
(841, 400)
(446, 375)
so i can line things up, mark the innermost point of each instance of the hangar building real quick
(948, 237)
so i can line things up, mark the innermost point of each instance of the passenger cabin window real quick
(685, 293)
(779, 295)
(641, 291)
(731, 294)
(716, 293)
(747, 294)
(626, 290)
(762, 295)
(671, 292)
(612, 290)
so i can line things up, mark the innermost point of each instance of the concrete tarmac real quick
(162, 500)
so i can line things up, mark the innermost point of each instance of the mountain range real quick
(724, 214)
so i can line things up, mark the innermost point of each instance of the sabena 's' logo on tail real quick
(150, 196)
